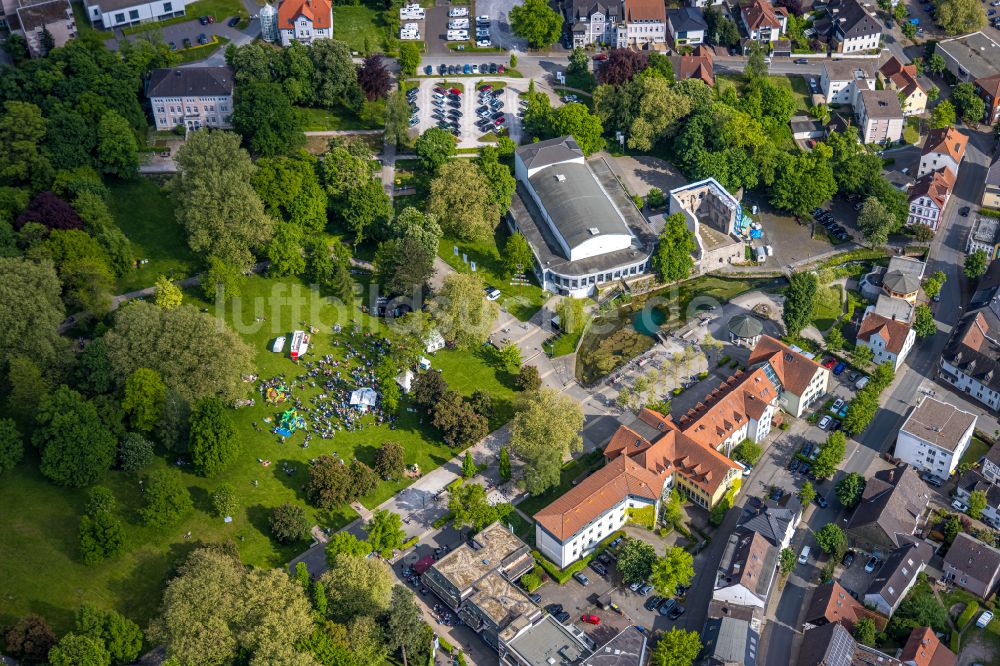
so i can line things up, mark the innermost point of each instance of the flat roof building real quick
(580, 223)
(546, 642)
(970, 57)
(716, 219)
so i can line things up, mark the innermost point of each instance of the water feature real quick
(648, 321)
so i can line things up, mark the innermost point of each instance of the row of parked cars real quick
(826, 220)
(455, 70)
(666, 606)
(447, 109)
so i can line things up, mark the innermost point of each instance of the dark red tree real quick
(30, 639)
(793, 6)
(373, 77)
(621, 66)
(50, 211)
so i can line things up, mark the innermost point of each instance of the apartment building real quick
(841, 80)
(763, 21)
(593, 21)
(645, 24)
(929, 196)
(889, 339)
(191, 97)
(880, 116)
(800, 380)
(971, 361)
(943, 149)
(934, 437)
(687, 26)
(119, 13)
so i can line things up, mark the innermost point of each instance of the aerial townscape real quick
(500, 332)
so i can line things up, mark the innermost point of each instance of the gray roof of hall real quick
(577, 203)
(190, 82)
(730, 641)
(551, 151)
(550, 256)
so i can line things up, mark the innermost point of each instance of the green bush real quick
(643, 517)
(443, 520)
(703, 375)
(970, 610)
(454, 485)
(723, 361)
(677, 391)
(409, 543)
(532, 580)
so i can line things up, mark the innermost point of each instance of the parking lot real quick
(460, 112)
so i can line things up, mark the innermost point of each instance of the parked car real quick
(964, 210)
(794, 465)
(676, 612)
(581, 578)
(801, 61)
(837, 404)
(848, 558)
(645, 589)
(599, 568)
(554, 608)
(203, 20)
(590, 619)
(428, 70)
(173, 46)
(467, 69)
(652, 602)
(820, 501)
(614, 544)
(871, 564)
(959, 505)
(932, 480)
(666, 606)
(840, 368)
(824, 422)
(233, 22)
(984, 619)
(561, 616)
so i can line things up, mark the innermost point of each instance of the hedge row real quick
(970, 610)
(561, 576)
(443, 520)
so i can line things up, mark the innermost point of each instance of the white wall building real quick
(305, 21)
(934, 437)
(971, 361)
(193, 97)
(841, 80)
(115, 13)
(889, 339)
(943, 149)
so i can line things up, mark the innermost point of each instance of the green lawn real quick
(41, 520)
(523, 528)
(827, 308)
(570, 472)
(146, 215)
(318, 120)
(520, 301)
(360, 27)
(795, 84)
(977, 449)
(200, 52)
(563, 344)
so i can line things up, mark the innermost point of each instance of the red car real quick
(601, 56)
(439, 89)
(500, 69)
(485, 88)
(591, 619)
(829, 363)
(455, 91)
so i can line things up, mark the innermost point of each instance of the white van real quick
(458, 11)
(861, 383)
(804, 555)
(409, 34)
(458, 24)
(457, 35)
(760, 255)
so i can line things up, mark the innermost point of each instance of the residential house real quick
(698, 65)
(897, 575)
(924, 648)
(32, 19)
(687, 26)
(774, 520)
(972, 565)
(742, 407)
(971, 360)
(991, 195)
(970, 57)
(645, 24)
(476, 580)
(800, 380)
(841, 80)
(702, 4)
(746, 570)
(891, 511)
(902, 79)
(831, 603)
(943, 149)
(879, 115)
(190, 97)
(593, 21)
(729, 641)
(988, 89)
(763, 21)
(646, 457)
(934, 437)
(849, 27)
(984, 236)
(305, 21)
(889, 339)
(900, 280)
(119, 13)
(974, 480)
(991, 465)
(929, 196)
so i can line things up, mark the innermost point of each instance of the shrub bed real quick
(561, 576)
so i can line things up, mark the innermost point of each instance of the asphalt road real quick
(946, 254)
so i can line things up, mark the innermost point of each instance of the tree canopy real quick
(460, 311)
(673, 260)
(77, 448)
(463, 202)
(545, 429)
(536, 22)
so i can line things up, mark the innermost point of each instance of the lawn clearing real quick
(563, 344)
(319, 120)
(222, 10)
(977, 449)
(521, 301)
(827, 308)
(362, 28)
(145, 215)
(41, 519)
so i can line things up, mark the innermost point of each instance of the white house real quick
(687, 26)
(305, 21)
(934, 437)
(880, 116)
(763, 21)
(801, 381)
(889, 339)
(929, 196)
(645, 23)
(842, 80)
(593, 21)
(944, 149)
(746, 571)
(115, 13)
(897, 575)
(849, 27)
(191, 97)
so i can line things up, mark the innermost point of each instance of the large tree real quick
(800, 298)
(373, 77)
(960, 16)
(434, 147)
(117, 149)
(330, 483)
(102, 536)
(461, 198)
(367, 209)
(357, 586)
(677, 647)
(193, 354)
(923, 321)
(405, 627)
(29, 638)
(673, 260)
(805, 182)
(288, 523)
(215, 608)
(635, 561)
(11, 445)
(976, 264)
(673, 569)
(335, 78)
(76, 650)
(472, 508)
(31, 310)
(144, 396)
(23, 160)
(390, 460)
(536, 22)
(290, 189)
(214, 443)
(575, 119)
(77, 448)
(462, 314)
(458, 421)
(120, 636)
(849, 489)
(385, 530)
(876, 222)
(545, 429)
(216, 203)
(968, 105)
(167, 498)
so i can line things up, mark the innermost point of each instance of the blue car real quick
(467, 69)
(840, 368)
(842, 412)
(428, 70)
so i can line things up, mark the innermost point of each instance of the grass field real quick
(361, 28)
(222, 10)
(41, 520)
(146, 216)
(520, 301)
(977, 449)
(318, 120)
(827, 308)
(563, 344)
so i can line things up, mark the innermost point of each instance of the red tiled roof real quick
(893, 331)
(794, 370)
(832, 603)
(645, 10)
(318, 11)
(698, 65)
(923, 648)
(937, 185)
(904, 77)
(728, 407)
(761, 14)
(948, 141)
